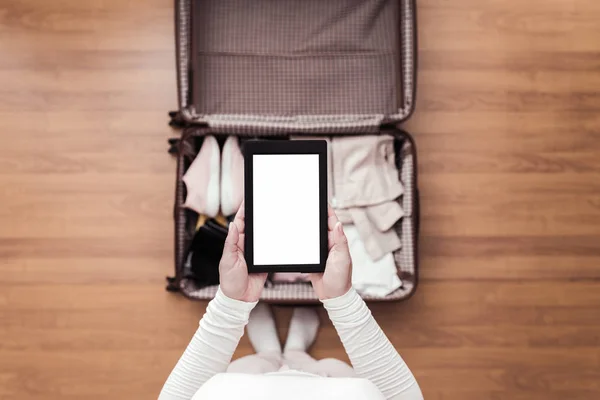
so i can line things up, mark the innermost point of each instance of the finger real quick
(240, 218)
(340, 241)
(241, 213)
(332, 219)
(330, 242)
(241, 242)
(231, 241)
(330, 210)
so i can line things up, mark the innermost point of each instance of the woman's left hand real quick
(236, 283)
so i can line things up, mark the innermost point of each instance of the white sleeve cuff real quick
(234, 304)
(228, 310)
(342, 301)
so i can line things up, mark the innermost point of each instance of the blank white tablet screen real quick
(286, 208)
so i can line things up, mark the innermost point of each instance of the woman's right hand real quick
(337, 278)
(236, 282)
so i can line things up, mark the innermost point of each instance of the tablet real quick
(285, 186)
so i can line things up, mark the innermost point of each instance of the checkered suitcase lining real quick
(267, 122)
(228, 35)
(301, 292)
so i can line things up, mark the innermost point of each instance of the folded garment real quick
(371, 278)
(361, 170)
(364, 171)
(364, 187)
(385, 215)
(375, 226)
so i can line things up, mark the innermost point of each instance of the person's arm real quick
(372, 355)
(222, 326)
(211, 348)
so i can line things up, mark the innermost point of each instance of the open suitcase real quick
(274, 68)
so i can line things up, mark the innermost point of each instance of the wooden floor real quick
(508, 130)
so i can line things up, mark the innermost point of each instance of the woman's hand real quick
(337, 278)
(236, 283)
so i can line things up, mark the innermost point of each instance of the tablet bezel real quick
(252, 147)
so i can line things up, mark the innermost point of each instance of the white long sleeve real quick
(372, 355)
(211, 348)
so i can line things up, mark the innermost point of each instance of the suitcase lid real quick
(296, 65)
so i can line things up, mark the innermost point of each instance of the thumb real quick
(231, 241)
(340, 241)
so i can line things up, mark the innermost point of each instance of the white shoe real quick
(232, 176)
(202, 179)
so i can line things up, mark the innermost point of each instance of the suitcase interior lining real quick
(297, 57)
(302, 292)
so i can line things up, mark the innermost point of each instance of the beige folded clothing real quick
(375, 226)
(364, 187)
(364, 171)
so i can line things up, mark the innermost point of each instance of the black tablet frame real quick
(252, 147)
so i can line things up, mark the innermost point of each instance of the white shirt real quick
(199, 374)
(288, 387)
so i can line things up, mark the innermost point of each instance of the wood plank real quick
(444, 60)
(500, 80)
(435, 295)
(510, 267)
(83, 270)
(509, 162)
(103, 335)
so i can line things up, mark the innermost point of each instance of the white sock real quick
(262, 330)
(303, 329)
